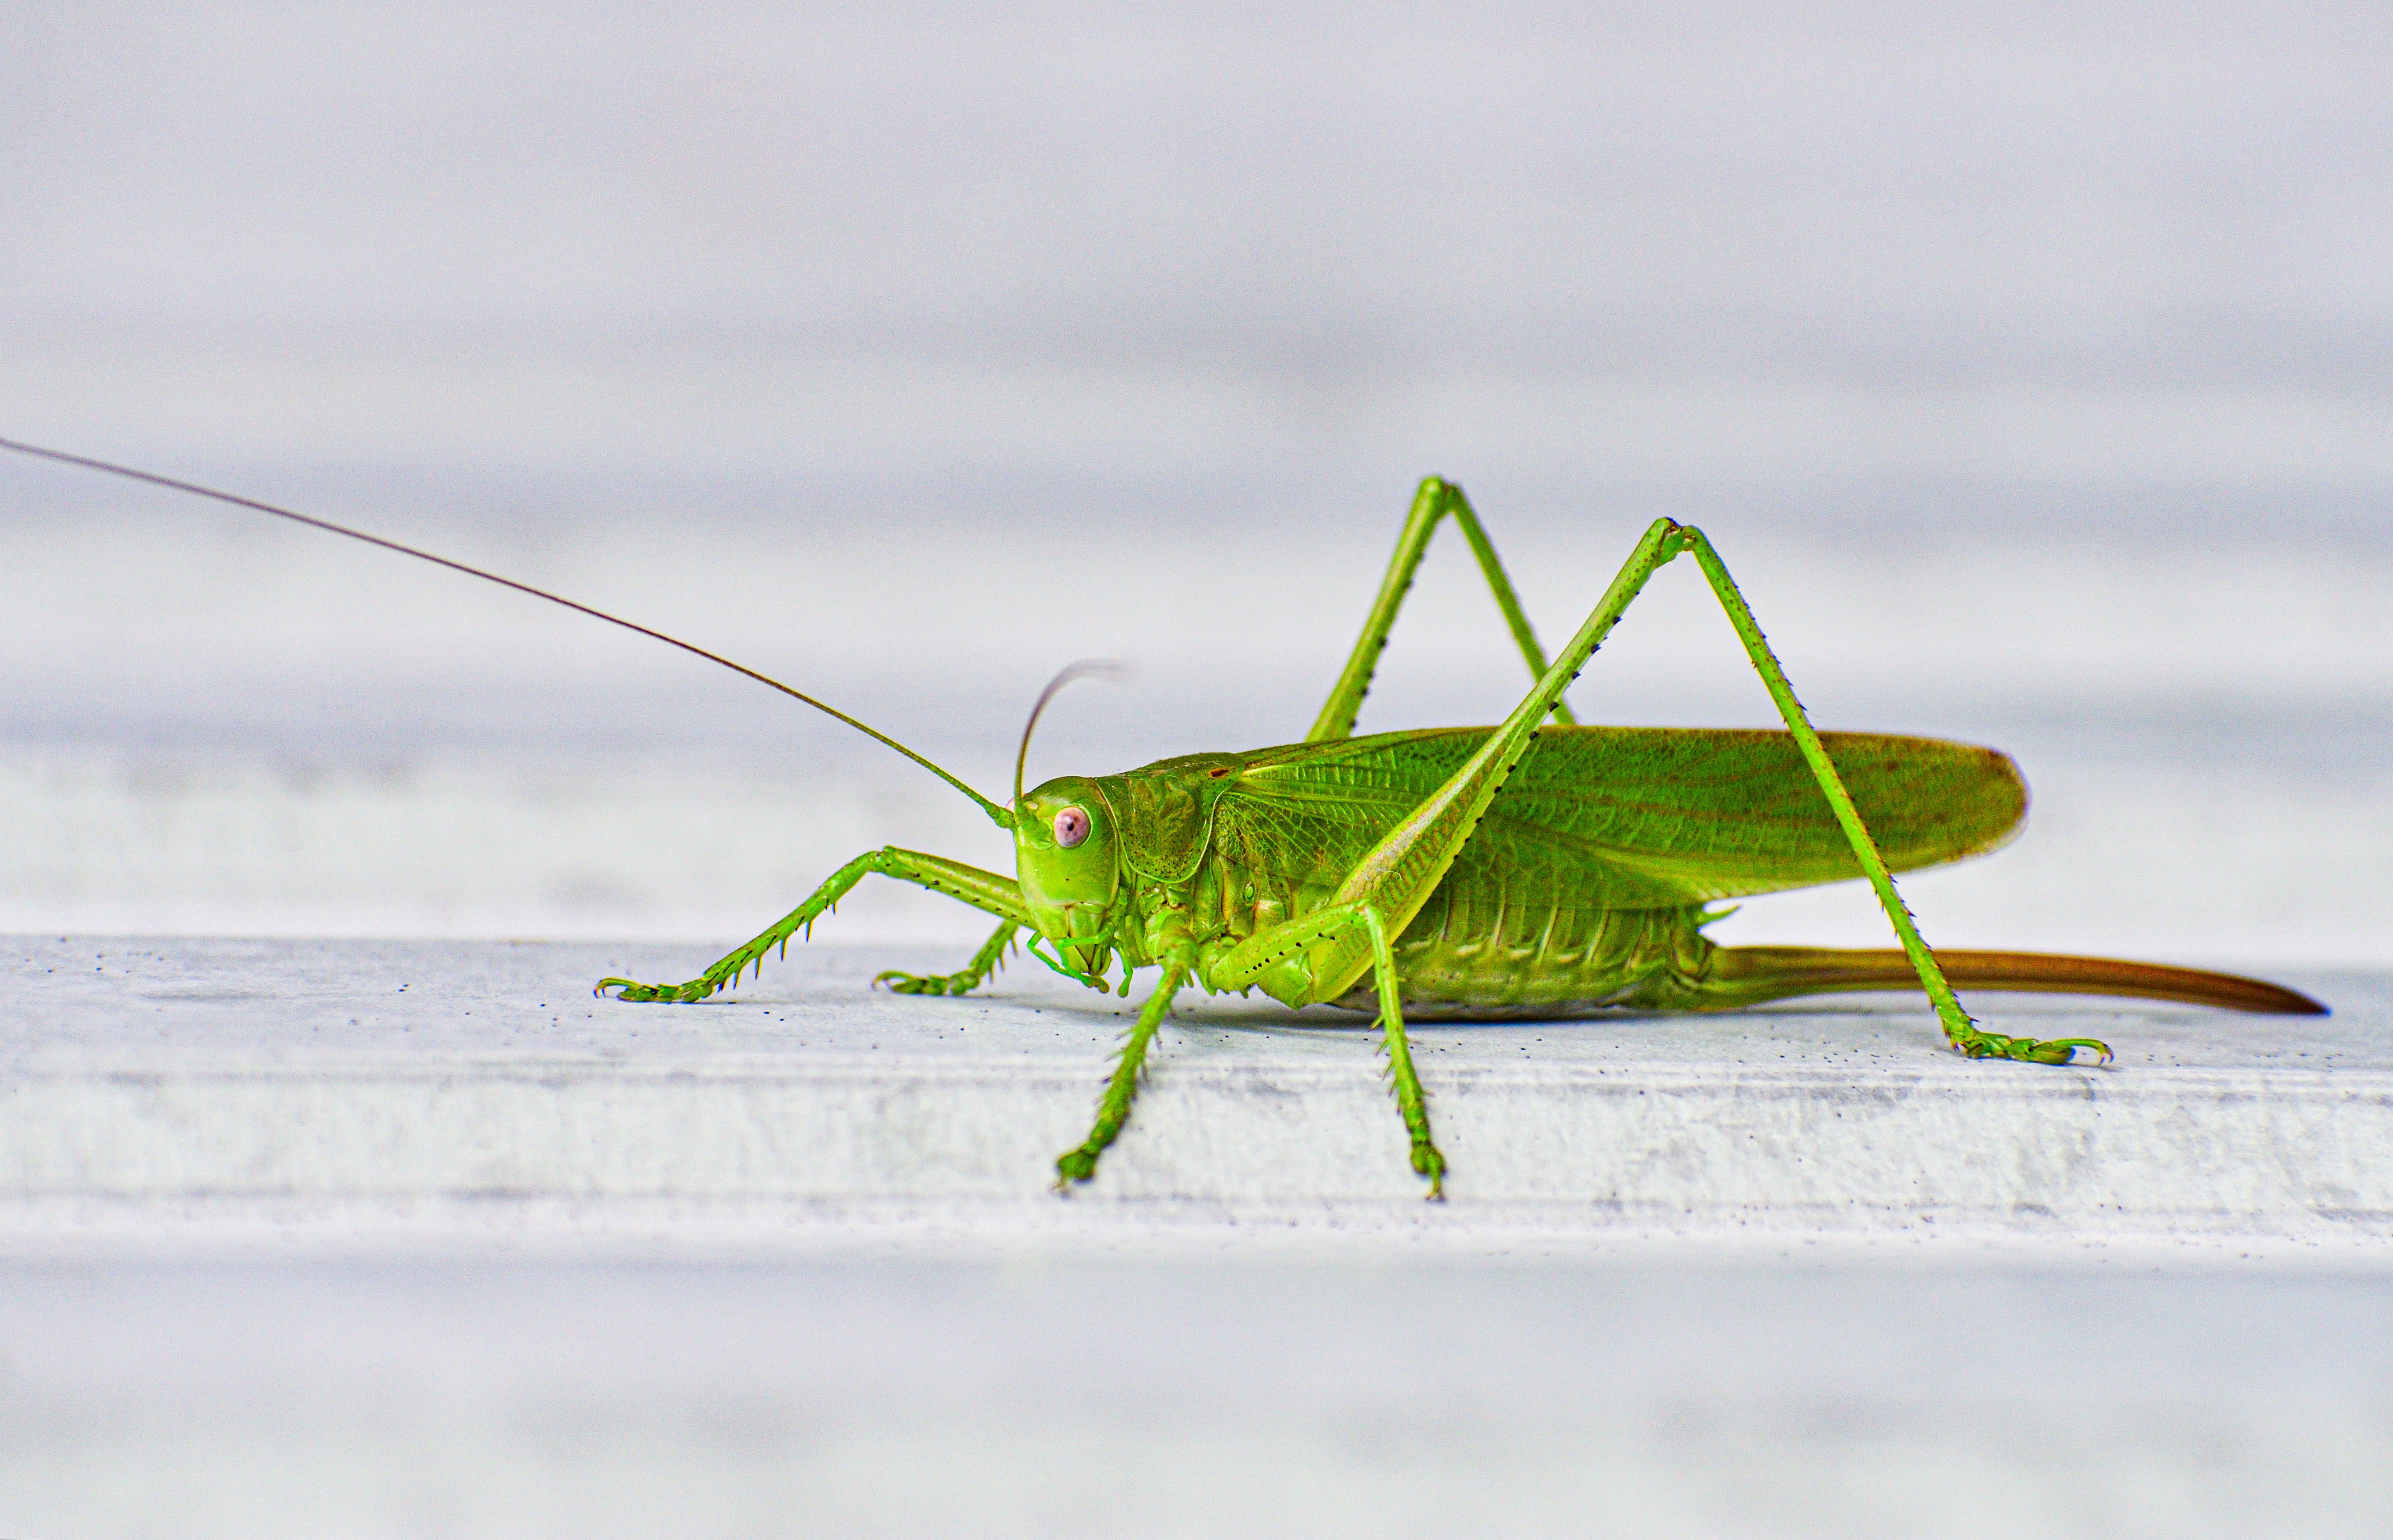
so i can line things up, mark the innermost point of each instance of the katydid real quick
(1535, 868)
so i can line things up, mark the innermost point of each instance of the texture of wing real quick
(1632, 818)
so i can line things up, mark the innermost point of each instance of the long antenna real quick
(998, 814)
(1087, 667)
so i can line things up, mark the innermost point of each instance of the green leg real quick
(1243, 964)
(1113, 1108)
(983, 889)
(1411, 1101)
(984, 962)
(1964, 1034)
(1398, 874)
(1436, 500)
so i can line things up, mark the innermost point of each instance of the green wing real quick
(1628, 817)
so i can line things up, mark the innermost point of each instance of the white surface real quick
(339, 1238)
(1046, 1396)
(336, 1090)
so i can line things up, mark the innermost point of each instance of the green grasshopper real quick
(1535, 868)
(1528, 869)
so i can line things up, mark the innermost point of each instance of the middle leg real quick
(1258, 954)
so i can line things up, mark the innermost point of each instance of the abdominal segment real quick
(1471, 954)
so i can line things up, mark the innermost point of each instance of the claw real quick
(650, 994)
(2028, 1050)
(925, 983)
(1429, 1163)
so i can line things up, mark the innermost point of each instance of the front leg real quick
(1080, 1163)
(1168, 942)
(984, 962)
(981, 890)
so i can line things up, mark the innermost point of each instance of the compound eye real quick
(1071, 827)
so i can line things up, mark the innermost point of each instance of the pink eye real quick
(1071, 827)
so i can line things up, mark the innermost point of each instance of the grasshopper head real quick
(1066, 855)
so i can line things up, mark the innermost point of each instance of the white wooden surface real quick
(330, 1092)
(335, 1238)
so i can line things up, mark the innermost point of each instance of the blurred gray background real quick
(2031, 367)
